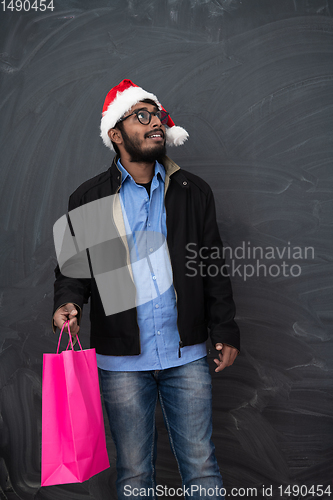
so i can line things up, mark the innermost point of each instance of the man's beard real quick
(132, 147)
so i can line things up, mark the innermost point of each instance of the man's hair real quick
(119, 125)
(150, 101)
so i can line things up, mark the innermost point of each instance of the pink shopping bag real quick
(73, 434)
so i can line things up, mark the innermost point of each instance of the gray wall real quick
(251, 81)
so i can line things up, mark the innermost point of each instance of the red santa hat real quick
(120, 99)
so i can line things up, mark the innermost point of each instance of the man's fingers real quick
(221, 363)
(73, 326)
(65, 313)
(69, 309)
(72, 314)
(227, 356)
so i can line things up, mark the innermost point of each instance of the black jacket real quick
(204, 299)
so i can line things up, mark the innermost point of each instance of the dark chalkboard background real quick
(251, 81)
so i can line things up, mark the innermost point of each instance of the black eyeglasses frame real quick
(163, 118)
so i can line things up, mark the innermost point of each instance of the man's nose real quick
(155, 121)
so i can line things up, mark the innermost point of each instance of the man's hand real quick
(65, 313)
(227, 356)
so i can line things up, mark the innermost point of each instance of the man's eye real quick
(142, 115)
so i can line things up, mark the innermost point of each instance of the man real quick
(153, 348)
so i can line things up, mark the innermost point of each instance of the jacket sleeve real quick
(219, 303)
(70, 290)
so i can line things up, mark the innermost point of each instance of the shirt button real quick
(151, 249)
(149, 224)
(158, 332)
(157, 306)
(147, 199)
(154, 277)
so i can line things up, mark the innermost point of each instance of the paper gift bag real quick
(73, 434)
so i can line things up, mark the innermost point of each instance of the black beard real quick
(138, 156)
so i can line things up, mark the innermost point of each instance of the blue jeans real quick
(185, 396)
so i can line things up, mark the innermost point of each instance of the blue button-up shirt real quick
(145, 223)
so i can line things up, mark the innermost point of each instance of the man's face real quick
(143, 143)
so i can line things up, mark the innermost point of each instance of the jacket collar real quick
(170, 168)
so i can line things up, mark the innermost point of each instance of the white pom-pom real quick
(176, 136)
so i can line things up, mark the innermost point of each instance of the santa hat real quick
(120, 99)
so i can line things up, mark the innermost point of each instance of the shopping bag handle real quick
(70, 342)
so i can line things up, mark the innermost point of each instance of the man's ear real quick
(115, 135)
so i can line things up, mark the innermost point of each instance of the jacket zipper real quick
(136, 310)
(180, 345)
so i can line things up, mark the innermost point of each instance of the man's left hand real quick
(227, 356)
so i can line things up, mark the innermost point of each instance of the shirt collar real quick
(159, 169)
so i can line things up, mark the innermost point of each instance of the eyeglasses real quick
(144, 116)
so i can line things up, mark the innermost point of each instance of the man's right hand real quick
(65, 313)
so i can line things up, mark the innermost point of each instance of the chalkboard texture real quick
(251, 81)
